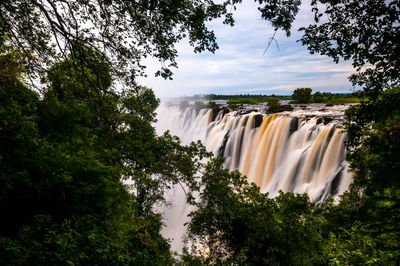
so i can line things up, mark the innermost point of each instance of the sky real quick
(241, 67)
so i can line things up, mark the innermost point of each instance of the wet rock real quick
(258, 120)
(294, 124)
(246, 111)
(324, 119)
(216, 110)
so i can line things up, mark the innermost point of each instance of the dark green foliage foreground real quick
(63, 158)
(240, 225)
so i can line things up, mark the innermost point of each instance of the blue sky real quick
(240, 67)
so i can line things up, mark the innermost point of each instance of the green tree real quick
(125, 31)
(373, 128)
(239, 225)
(347, 30)
(275, 107)
(317, 97)
(364, 227)
(302, 95)
(374, 131)
(368, 223)
(64, 157)
(64, 152)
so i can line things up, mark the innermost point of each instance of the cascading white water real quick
(287, 151)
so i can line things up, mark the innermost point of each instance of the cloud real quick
(239, 66)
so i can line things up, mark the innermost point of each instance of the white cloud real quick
(240, 67)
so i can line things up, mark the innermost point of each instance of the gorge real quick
(300, 151)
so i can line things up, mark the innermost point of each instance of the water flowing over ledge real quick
(301, 151)
(292, 151)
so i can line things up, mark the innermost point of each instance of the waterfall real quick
(292, 154)
(291, 151)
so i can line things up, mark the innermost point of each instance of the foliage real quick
(124, 31)
(212, 105)
(64, 152)
(364, 227)
(234, 106)
(79, 241)
(281, 14)
(237, 224)
(253, 99)
(302, 95)
(209, 97)
(275, 107)
(365, 32)
(64, 156)
(342, 100)
(356, 247)
(374, 131)
(317, 97)
(368, 216)
(333, 99)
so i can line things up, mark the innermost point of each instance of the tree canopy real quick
(64, 156)
(365, 32)
(124, 31)
(302, 95)
(64, 152)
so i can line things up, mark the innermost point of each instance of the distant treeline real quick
(195, 97)
(228, 96)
